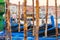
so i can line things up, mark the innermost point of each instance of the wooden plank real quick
(56, 20)
(19, 17)
(37, 20)
(8, 20)
(25, 23)
(33, 17)
(46, 18)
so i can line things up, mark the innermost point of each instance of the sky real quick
(41, 2)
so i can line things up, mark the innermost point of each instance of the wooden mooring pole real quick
(19, 17)
(8, 35)
(56, 20)
(33, 17)
(37, 21)
(25, 21)
(46, 18)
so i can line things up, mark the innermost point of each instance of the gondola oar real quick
(8, 20)
(25, 23)
(19, 17)
(56, 20)
(37, 20)
(46, 18)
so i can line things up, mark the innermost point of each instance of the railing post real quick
(46, 18)
(25, 23)
(56, 20)
(37, 20)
